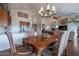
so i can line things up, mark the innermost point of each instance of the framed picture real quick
(21, 14)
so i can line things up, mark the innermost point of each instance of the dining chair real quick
(61, 44)
(69, 45)
(54, 47)
(71, 35)
(70, 49)
(4, 44)
(20, 50)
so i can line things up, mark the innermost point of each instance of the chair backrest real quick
(63, 42)
(70, 44)
(12, 46)
(71, 35)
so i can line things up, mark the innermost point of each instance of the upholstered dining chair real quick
(69, 45)
(71, 35)
(61, 44)
(20, 51)
(54, 47)
(70, 49)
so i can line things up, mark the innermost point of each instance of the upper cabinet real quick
(3, 18)
(63, 22)
(54, 23)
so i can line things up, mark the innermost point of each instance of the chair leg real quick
(64, 53)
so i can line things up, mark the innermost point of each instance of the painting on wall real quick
(21, 14)
(24, 26)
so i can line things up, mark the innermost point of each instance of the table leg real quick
(39, 52)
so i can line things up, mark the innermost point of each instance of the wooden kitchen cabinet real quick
(4, 18)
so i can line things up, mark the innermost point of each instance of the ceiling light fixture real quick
(47, 12)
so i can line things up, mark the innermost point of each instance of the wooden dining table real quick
(41, 42)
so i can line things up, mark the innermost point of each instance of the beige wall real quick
(15, 19)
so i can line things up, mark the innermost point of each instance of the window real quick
(24, 26)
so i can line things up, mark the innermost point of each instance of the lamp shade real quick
(48, 7)
(39, 11)
(53, 8)
(42, 9)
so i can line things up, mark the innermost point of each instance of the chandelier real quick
(47, 12)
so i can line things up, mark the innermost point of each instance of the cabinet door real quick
(54, 24)
(3, 18)
(63, 22)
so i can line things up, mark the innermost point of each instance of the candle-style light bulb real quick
(48, 7)
(53, 8)
(42, 9)
(39, 11)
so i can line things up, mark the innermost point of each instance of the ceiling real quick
(66, 9)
